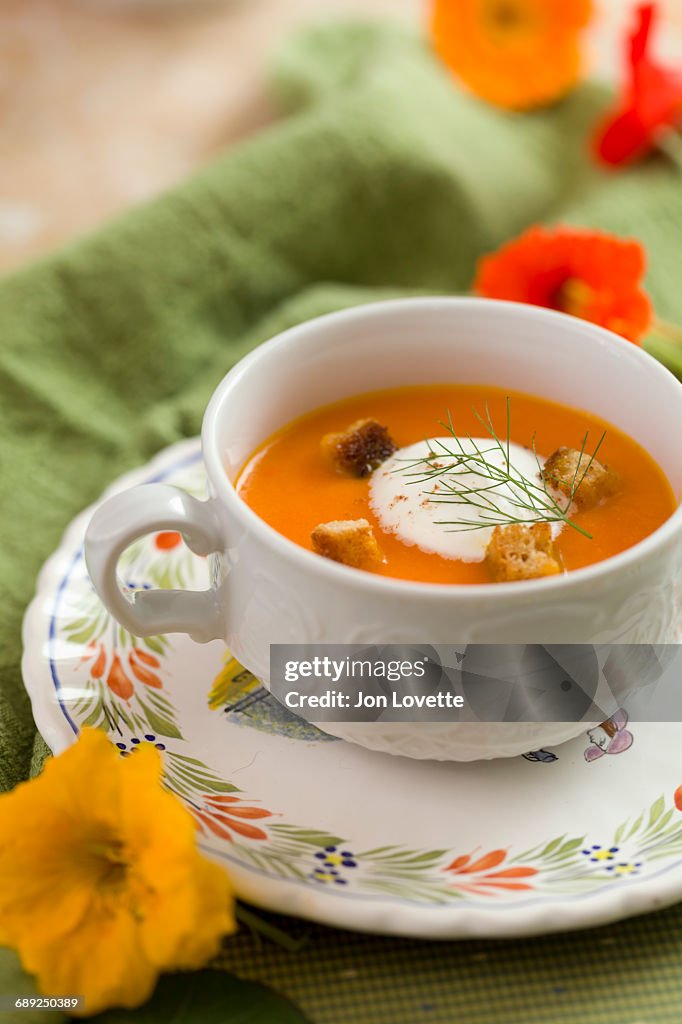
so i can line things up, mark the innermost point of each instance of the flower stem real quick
(260, 927)
(669, 141)
(664, 342)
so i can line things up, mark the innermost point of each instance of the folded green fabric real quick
(382, 178)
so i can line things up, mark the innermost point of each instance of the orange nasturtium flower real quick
(516, 54)
(102, 886)
(589, 274)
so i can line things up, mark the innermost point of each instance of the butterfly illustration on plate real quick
(611, 737)
(544, 756)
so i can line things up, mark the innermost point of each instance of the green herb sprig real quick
(533, 498)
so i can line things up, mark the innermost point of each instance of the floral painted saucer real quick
(309, 825)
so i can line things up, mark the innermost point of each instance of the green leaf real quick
(620, 832)
(198, 780)
(118, 711)
(81, 636)
(95, 716)
(77, 624)
(161, 702)
(662, 822)
(14, 982)
(405, 858)
(656, 811)
(189, 760)
(154, 644)
(553, 845)
(636, 827)
(178, 786)
(208, 997)
(310, 836)
(568, 848)
(159, 724)
(214, 785)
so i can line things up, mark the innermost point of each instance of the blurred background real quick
(104, 103)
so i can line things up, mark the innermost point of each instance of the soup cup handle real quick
(125, 518)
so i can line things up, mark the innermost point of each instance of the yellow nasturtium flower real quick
(102, 886)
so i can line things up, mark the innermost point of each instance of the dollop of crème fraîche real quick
(423, 512)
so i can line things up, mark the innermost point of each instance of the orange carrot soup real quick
(456, 484)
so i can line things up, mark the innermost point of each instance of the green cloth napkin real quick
(382, 179)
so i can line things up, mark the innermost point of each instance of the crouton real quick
(566, 468)
(350, 541)
(519, 552)
(360, 448)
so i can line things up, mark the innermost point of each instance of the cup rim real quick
(348, 576)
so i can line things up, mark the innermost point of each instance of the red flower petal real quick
(211, 825)
(651, 103)
(144, 674)
(167, 540)
(242, 812)
(221, 798)
(118, 682)
(639, 40)
(588, 274)
(146, 657)
(513, 886)
(623, 138)
(519, 872)
(489, 860)
(678, 798)
(97, 670)
(458, 863)
(249, 831)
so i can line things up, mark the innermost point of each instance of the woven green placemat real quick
(626, 973)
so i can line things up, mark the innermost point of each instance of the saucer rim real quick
(385, 916)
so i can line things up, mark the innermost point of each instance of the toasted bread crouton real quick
(520, 552)
(566, 467)
(350, 541)
(360, 448)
